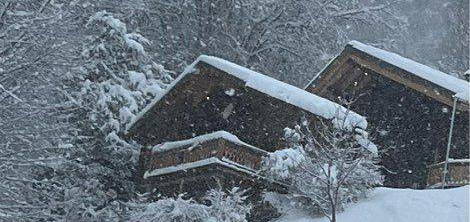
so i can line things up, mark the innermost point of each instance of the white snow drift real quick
(403, 205)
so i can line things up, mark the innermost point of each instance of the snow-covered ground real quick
(403, 205)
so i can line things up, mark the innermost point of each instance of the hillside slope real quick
(404, 205)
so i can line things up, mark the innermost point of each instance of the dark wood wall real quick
(196, 182)
(196, 106)
(410, 128)
(458, 174)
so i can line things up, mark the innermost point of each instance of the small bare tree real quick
(326, 169)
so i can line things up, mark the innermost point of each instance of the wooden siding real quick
(343, 64)
(458, 174)
(411, 127)
(195, 182)
(196, 104)
(219, 148)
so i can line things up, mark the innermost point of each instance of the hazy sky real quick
(431, 23)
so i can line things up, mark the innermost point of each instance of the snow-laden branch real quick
(358, 11)
(10, 93)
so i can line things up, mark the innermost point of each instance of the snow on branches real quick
(326, 170)
(222, 207)
(116, 81)
(173, 210)
(228, 207)
(119, 78)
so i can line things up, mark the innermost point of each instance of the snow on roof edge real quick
(187, 70)
(203, 138)
(273, 87)
(460, 87)
(199, 163)
(321, 71)
(289, 93)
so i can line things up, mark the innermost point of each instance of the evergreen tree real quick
(117, 81)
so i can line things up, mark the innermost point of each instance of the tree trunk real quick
(333, 213)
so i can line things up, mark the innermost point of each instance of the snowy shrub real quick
(282, 161)
(173, 210)
(221, 207)
(325, 170)
(228, 207)
(89, 202)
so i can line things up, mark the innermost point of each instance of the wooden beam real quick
(443, 96)
(328, 76)
(334, 75)
(349, 77)
(365, 80)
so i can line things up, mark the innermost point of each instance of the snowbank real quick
(460, 87)
(403, 205)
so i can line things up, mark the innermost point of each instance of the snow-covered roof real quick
(187, 166)
(203, 138)
(362, 139)
(459, 87)
(290, 94)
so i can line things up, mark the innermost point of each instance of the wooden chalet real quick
(408, 106)
(216, 122)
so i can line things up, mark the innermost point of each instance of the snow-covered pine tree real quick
(119, 77)
(325, 172)
(118, 80)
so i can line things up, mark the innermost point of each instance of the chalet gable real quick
(433, 83)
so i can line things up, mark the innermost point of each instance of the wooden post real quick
(449, 140)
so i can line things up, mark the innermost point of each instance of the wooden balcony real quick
(458, 173)
(174, 155)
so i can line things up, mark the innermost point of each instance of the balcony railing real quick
(458, 173)
(189, 152)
